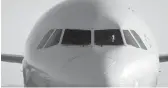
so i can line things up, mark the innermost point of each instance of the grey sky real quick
(19, 16)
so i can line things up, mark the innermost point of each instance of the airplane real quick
(90, 43)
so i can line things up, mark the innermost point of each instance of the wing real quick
(19, 58)
(163, 58)
(11, 58)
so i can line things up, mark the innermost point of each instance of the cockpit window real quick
(45, 38)
(76, 37)
(108, 37)
(137, 37)
(54, 38)
(50, 39)
(129, 38)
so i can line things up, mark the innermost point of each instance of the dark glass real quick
(54, 38)
(45, 38)
(77, 37)
(129, 39)
(108, 37)
(137, 37)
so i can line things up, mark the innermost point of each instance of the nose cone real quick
(96, 67)
(86, 70)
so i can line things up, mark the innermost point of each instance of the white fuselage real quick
(91, 65)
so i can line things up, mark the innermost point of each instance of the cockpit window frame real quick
(92, 31)
(48, 38)
(55, 35)
(45, 38)
(138, 39)
(142, 46)
(123, 37)
(135, 41)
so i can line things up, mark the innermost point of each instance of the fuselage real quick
(90, 43)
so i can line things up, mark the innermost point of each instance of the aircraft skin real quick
(91, 65)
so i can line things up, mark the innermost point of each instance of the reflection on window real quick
(137, 37)
(129, 39)
(108, 37)
(54, 38)
(76, 37)
(45, 38)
